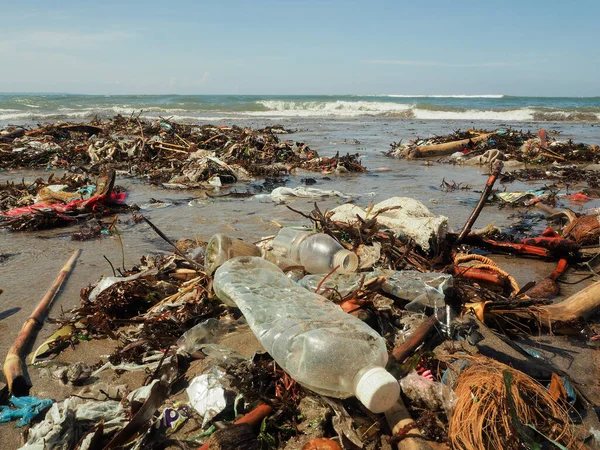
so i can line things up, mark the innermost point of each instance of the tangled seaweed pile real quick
(163, 151)
(512, 145)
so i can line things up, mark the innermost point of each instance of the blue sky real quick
(522, 47)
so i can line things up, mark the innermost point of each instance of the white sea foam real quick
(289, 109)
(513, 115)
(444, 96)
(337, 108)
(280, 108)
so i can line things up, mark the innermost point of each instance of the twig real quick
(111, 266)
(172, 244)
(484, 196)
(325, 278)
(182, 140)
(141, 129)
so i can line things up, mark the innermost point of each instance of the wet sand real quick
(33, 259)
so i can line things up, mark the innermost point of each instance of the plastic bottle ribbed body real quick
(318, 344)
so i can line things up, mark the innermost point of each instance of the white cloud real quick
(406, 62)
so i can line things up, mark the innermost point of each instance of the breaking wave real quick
(484, 107)
(336, 108)
(444, 96)
(420, 111)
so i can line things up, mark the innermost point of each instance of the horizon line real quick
(490, 96)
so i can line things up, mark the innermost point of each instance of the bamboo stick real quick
(14, 364)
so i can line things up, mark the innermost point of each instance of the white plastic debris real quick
(422, 290)
(107, 282)
(489, 157)
(434, 395)
(283, 194)
(407, 217)
(368, 255)
(207, 394)
(150, 362)
(59, 428)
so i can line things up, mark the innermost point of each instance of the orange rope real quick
(489, 264)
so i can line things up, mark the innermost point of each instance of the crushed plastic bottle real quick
(208, 332)
(422, 290)
(317, 252)
(312, 339)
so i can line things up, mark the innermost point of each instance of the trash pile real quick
(371, 328)
(55, 202)
(164, 152)
(482, 147)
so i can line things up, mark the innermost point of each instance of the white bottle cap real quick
(346, 261)
(378, 390)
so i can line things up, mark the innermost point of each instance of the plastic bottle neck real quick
(346, 261)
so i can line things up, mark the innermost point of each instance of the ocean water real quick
(17, 108)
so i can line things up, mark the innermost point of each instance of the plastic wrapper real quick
(431, 394)
(24, 408)
(208, 394)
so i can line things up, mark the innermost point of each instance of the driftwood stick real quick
(484, 196)
(429, 151)
(578, 306)
(14, 364)
(171, 149)
(398, 418)
(405, 349)
(168, 144)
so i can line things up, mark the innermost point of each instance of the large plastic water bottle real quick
(317, 252)
(312, 339)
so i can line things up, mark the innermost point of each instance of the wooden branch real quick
(425, 151)
(579, 306)
(14, 364)
(484, 196)
(404, 350)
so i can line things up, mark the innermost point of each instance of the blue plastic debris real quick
(87, 191)
(25, 409)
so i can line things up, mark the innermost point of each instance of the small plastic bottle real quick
(311, 338)
(317, 252)
(221, 248)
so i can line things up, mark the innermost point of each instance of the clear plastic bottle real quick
(317, 252)
(312, 339)
(221, 248)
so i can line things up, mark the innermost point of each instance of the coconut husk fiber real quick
(485, 417)
(584, 230)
